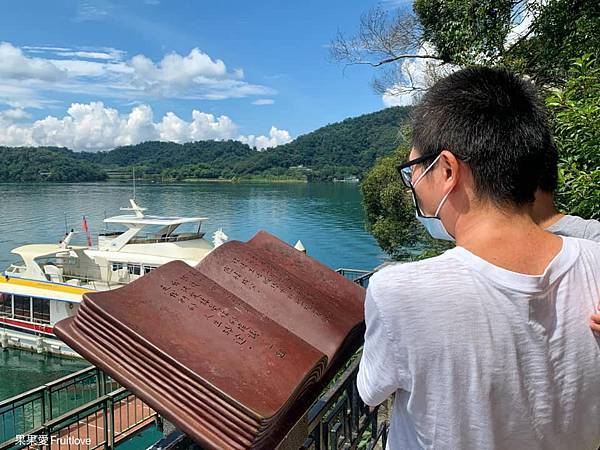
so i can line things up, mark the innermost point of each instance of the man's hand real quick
(595, 322)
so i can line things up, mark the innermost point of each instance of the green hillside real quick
(345, 148)
(23, 164)
(341, 149)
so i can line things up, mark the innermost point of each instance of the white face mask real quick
(434, 225)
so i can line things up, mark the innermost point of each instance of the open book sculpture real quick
(233, 351)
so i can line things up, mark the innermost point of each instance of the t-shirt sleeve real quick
(377, 377)
(592, 231)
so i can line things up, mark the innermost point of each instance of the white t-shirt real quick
(484, 358)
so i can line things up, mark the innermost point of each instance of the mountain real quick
(337, 150)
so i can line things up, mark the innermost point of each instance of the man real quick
(488, 345)
(546, 215)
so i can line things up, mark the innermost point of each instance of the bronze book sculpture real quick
(233, 351)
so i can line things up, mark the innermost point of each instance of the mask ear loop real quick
(427, 170)
(415, 194)
(437, 211)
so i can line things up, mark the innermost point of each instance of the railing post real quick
(105, 428)
(100, 383)
(322, 441)
(43, 406)
(111, 413)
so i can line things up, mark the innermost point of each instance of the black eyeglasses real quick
(406, 169)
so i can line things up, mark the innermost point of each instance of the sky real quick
(93, 75)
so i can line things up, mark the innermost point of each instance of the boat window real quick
(134, 269)
(116, 266)
(41, 310)
(22, 307)
(5, 305)
(148, 269)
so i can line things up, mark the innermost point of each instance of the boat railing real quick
(161, 239)
(78, 279)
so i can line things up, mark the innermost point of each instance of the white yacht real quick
(48, 283)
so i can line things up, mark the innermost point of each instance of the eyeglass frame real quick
(401, 168)
(408, 182)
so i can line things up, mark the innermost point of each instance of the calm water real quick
(21, 370)
(328, 218)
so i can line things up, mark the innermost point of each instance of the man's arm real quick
(378, 371)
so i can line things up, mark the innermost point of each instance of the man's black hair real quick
(496, 123)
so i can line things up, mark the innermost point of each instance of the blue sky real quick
(92, 75)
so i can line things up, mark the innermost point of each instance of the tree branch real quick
(395, 58)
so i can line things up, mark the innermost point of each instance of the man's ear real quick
(451, 169)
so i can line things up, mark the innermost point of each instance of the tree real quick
(576, 121)
(532, 37)
(384, 40)
(560, 31)
(389, 212)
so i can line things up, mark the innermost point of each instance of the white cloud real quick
(15, 114)
(263, 101)
(94, 127)
(195, 75)
(416, 75)
(87, 12)
(391, 98)
(101, 53)
(176, 72)
(15, 65)
(276, 137)
(203, 126)
(137, 126)
(106, 73)
(77, 68)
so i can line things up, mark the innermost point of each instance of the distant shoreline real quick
(183, 181)
(217, 180)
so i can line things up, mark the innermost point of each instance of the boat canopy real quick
(33, 251)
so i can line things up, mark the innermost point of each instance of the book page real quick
(297, 292)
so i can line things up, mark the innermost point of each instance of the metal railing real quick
(101, 423)
(360, 277)
(339, 419)
(86, 404)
